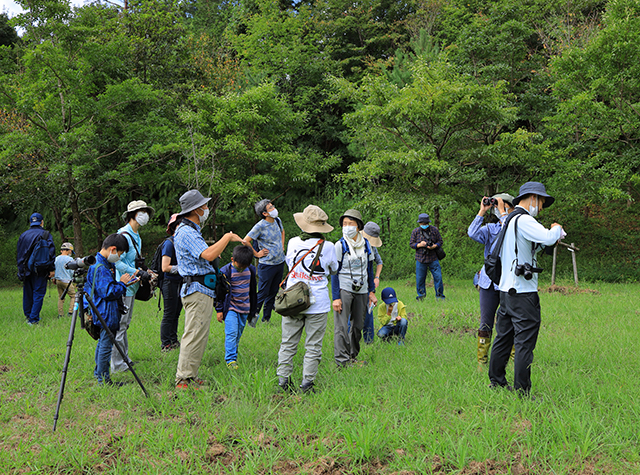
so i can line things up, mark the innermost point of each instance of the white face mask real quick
(205, 215)
(273, 213)
(533, 210)
(113, 258)
(350, 231)
(142, 218)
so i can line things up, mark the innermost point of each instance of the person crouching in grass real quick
(240, 302)
(393, 317)
(105, 292)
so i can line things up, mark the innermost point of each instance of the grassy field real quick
(422, 408)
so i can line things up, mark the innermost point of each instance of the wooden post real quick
(575, 266)
(553, 267)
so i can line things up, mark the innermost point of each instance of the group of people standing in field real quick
(189, 280)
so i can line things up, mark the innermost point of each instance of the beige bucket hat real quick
(138, 205)
(313, 220)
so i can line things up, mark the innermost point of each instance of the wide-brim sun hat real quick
(388, 295)
(313, 220)
(371, 232)
(355, 215)
(138, 205)
(534, 188)
(506, 197)
(191, 200)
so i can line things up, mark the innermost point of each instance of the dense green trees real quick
(425, 103)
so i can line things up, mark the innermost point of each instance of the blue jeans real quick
(234, 324)
(35, 288)
(389, 330)
(269, 278)
(368, 331)
(103, 358)
(421, 276)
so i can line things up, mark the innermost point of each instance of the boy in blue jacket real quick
(105, 292)
(240, 302)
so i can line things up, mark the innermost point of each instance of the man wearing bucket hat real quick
(194, 265)
(518, 318)
(353, 288)
(489, 292)
(313, 223)
(63, 278)
(425, 239)
(35, 282)
(138, 214)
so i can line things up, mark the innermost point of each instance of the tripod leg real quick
(112, 337)
(77, 309)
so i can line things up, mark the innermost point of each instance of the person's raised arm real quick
(214, 251)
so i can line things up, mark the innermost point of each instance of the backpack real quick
(493, 263)
(39, 260)
(345, 250)
(156, 261)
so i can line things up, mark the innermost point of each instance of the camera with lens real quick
(144, 275)
(489, 202)
(80, 263)
(356, 285)
(526, 270)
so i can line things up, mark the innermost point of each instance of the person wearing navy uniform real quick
(35, 286)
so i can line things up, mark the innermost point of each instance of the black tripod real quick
(78, 311)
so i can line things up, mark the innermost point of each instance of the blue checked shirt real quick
(189, 245)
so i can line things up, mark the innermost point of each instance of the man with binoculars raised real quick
(518, 318)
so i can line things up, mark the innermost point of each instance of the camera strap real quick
(533, 244)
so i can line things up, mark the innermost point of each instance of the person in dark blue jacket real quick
(105, 292)
(35, 284)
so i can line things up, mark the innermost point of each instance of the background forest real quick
(393, 107)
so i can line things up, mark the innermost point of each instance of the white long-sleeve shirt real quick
(529, 231)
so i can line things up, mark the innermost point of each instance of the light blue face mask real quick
(424, 226)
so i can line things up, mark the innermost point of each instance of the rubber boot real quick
(484, 345)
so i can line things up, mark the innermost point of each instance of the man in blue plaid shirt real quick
(194, 263)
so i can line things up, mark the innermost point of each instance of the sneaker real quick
(358, 363)
(170, 346)
(115, 384)
(400, 342)
(232, 365)
(59, 315)
(32, 323)
(189, 383)
(498, 386)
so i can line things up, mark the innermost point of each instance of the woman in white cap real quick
(313, 268)
(489, 293)
(137, 215)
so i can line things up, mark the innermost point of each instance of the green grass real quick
(424, 408)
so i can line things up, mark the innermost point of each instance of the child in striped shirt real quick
(240, 302)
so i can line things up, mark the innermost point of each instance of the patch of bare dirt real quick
(564, 290)
(4, 368)
(521, 427)
(450, 330)
(218, 453)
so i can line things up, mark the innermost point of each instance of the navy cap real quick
(534, 188)
(35, 219)
(424, 218)
(389, 295)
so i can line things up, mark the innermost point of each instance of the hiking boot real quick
(115, 384)
(232, 365)
(499, 386)
(189, 383)
(286, 385)
(307, 388)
